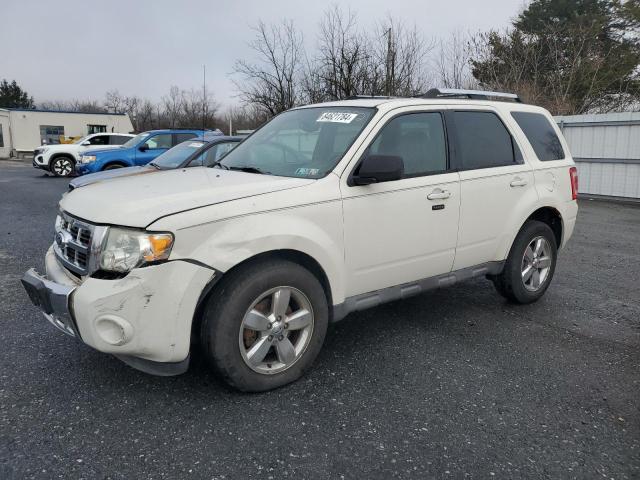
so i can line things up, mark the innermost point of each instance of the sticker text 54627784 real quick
(337, 117)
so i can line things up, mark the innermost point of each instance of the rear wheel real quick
(265, 324)
(530, 265)
(62, 166)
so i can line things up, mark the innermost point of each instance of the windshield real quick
(174, 157)
(80, 140)
(306, 143)
(135, 140)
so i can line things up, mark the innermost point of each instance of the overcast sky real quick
(80, 49)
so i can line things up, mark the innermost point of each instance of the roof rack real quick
(360, 97)
(470, 94)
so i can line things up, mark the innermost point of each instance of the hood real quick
(92, 178)
(58, 146)
(101, 150)
(139, 200)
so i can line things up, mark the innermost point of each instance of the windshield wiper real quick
(155, 165)
(249, 169)
(218, 163)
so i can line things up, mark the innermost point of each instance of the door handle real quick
(438, 194)
(518, 182)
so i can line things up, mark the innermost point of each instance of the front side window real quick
(51, 134)
(484, 141)
(540, 134)
(99, 140)
(306, 143)
(162, 140)
(174, 157)
(212, 155)
(417, 138)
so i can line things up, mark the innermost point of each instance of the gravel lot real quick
(455, 383)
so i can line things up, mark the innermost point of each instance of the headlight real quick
(87, 158)
(126, 249)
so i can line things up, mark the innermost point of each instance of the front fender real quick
(315, 230)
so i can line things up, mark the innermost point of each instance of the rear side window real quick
(484, 141)
(417, 138)
(183, 137)
(119, 139)
(540, 134)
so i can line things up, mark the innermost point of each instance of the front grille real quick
(73, 243)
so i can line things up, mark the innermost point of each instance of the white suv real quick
(61, 159)
(325, 210)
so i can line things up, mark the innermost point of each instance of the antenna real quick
(204, 95)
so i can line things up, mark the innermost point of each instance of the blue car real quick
(202, 151)
(140, 150)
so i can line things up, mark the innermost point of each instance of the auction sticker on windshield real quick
(337, 117)
(196, 144)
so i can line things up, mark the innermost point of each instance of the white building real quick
(23, 130)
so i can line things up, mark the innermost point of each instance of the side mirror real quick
(86, 144)
(377, 169)
(144, 147)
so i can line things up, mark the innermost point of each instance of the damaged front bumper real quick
(144, 319)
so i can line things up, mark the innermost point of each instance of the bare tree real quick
(400, 57)
(453, 63)
(171, 107)
(198, 109)
(271, 82)
(344, 56)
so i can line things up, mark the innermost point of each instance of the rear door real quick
(496, 185)
(404, 230)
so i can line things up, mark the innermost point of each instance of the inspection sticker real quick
(337, 117)
(195, 145)
(307, 171)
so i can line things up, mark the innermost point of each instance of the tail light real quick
(573, 174)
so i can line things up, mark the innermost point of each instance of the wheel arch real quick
(110, 163)
(551, 217)
(291, 255)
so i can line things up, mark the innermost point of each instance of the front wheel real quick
(265, 325)
(530, 265)
(62, 166)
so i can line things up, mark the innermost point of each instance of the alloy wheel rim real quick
(536, 264)
(62, 167)
(276, 330)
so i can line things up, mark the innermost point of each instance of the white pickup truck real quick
(61, 159)
(325, 210)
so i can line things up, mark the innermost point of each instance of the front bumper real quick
(144, 319)
(84, 168)
(53, 299)
(38, 162)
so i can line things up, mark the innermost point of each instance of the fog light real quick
(114, 330)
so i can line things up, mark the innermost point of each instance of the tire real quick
(62, 166)
(517, 283)
(112, 166)
(254, 295)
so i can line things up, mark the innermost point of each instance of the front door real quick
(403, 230)
(152, 147)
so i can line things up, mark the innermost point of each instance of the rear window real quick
(540, 134)
(484, 141)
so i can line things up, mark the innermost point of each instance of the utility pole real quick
(390, 63)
